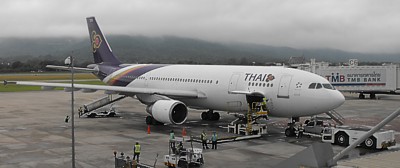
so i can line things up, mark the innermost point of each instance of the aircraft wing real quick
(118, 89)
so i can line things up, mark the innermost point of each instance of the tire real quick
(289, 132)
(182, 163)
(204, 116)
(215, 116)
(370, 142)
(372, 96)
(342, 139)
(92, 115)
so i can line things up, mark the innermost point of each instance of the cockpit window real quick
(312, 86)
(328, 86)
(319, 86)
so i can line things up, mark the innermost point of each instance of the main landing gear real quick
(210, 116)
(290, 131)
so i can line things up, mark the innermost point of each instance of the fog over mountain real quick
(171, 49)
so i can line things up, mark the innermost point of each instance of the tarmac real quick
(33, 133)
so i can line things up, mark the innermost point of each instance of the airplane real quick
(169, 90)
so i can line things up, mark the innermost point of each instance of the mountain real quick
(170, 49)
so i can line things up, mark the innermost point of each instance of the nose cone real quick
(337, 99)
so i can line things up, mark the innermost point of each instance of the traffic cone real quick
(183, 131)
(148, 129)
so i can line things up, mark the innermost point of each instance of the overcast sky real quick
(351, 25)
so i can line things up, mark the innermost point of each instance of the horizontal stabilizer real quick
(67, 68)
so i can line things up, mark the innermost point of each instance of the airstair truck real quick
(345, 136)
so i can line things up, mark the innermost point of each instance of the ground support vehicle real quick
(345, 136)
(184, 157)
(103, 112)
(96, 107)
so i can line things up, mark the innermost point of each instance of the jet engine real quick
(168, 111)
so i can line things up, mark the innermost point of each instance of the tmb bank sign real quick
(375, 77)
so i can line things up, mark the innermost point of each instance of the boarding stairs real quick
(338, 118)
(96, 104)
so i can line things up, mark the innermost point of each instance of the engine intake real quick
(168, 111)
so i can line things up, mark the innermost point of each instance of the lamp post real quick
(70, 61)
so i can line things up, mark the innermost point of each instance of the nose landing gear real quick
(290, 131)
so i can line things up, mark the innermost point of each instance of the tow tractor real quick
(345, 136)
(183, 157)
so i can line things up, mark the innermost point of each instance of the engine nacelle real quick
(168, 111)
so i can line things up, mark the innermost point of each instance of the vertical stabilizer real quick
(102, 52)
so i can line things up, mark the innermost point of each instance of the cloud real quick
(354, 25)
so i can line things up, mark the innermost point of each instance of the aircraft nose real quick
(337, 99)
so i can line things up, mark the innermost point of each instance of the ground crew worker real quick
(172, 139)
(136, 151)
(264, 104)
(180, 148)
(301, 130)
(214, 138)
(203, 138)
(66, 119)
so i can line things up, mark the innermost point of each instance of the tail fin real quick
(102, 52)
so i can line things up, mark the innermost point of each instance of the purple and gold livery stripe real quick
(127, 76)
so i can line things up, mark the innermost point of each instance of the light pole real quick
(70, 61)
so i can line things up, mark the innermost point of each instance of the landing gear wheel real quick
(204, 116)
(361, 96)
(342, 139)
(372, 96)
(215, 117)
(290, 132)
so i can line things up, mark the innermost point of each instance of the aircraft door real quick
(233, 82)
(234, 102)
(284, 86)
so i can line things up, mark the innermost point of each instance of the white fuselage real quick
(225, 87)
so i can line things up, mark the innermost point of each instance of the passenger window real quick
(312, 86)
(319, 86)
